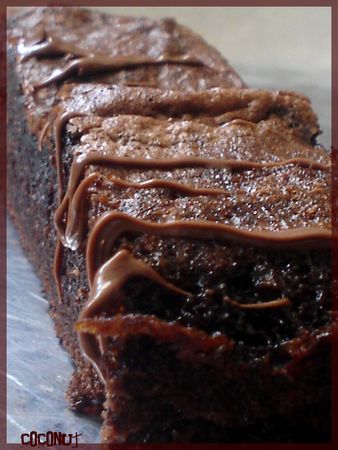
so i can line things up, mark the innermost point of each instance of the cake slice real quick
(194, 249)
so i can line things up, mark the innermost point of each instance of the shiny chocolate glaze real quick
(84, 62)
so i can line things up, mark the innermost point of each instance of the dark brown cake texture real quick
(196, 239)
(43, 41)
(244, 159)
(193, 235)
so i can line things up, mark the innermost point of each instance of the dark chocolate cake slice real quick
(202, 222)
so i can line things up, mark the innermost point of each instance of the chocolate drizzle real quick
(73, 199)
(84, 62)
(73, 203)
(48, 46)
(43, 133)
(70, 222)
(280, 302)
(59, 124)
(112, 225)
(107, 290)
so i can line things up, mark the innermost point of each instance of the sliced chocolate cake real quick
(202, 222)
(182, 236)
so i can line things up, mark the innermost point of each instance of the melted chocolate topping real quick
(263, 305)
(73, 201)
(59, 124)
(84, 62)
(107, 290)
(112, 225)
(43, 133)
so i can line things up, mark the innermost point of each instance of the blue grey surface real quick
(38, 370)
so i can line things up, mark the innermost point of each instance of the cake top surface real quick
(219, 104)
(55, 45)
(91, 32)
(239, 158)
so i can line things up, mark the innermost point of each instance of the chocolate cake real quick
(42, 43)
(188, 270)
